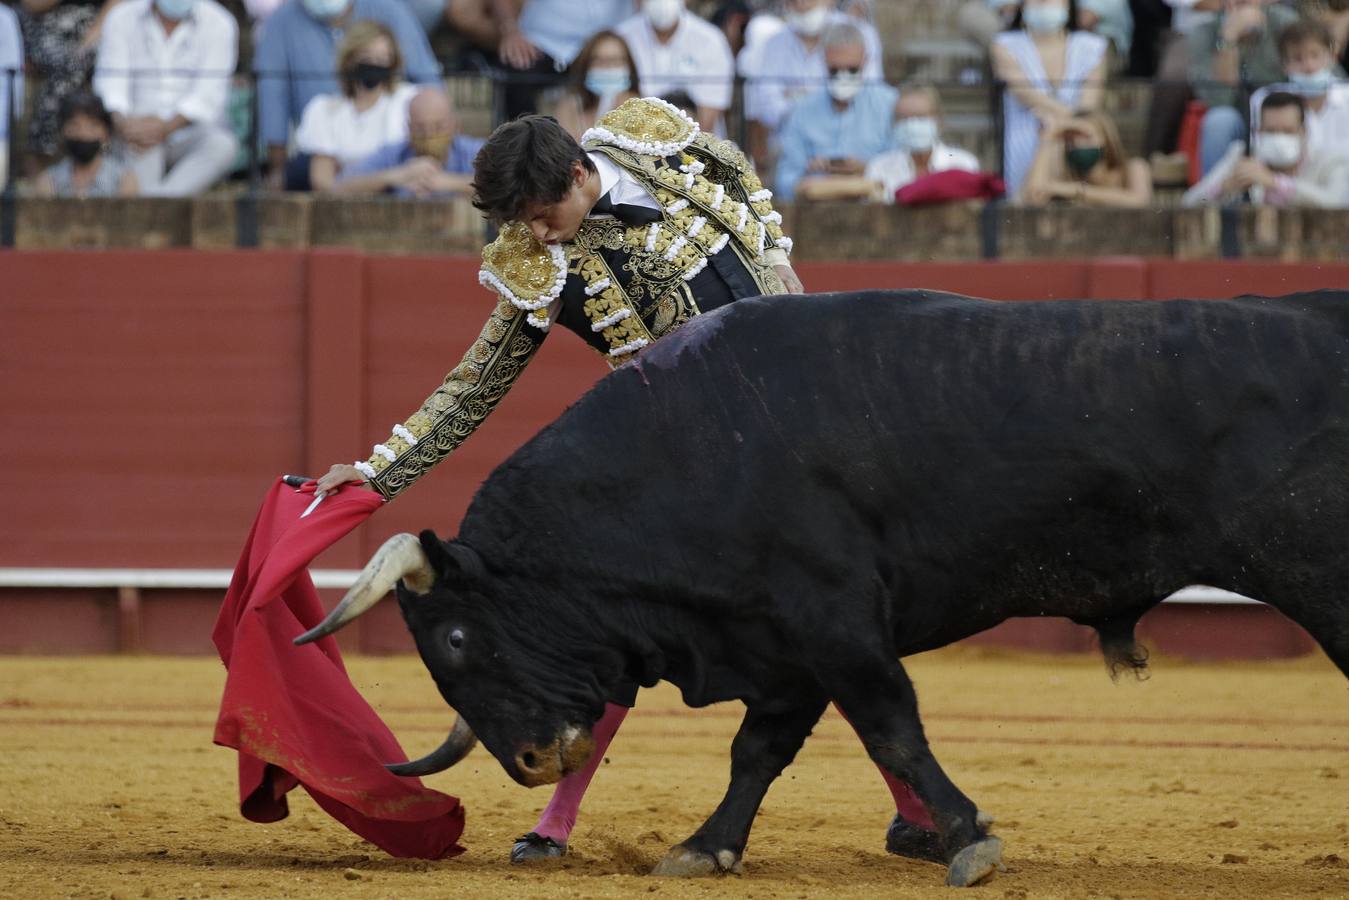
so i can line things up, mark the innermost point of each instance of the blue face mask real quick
(1313, 84)
(606, 82)
(1044, 19)
(177, 10)
(325, 10)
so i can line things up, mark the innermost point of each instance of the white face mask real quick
(663, 14)
(1313, 84)
(325, 10)
(177, 10)
(606, 82)
(1044, 19)
(845, 85)
(916, 133)
(1278, 150)
(809, 23)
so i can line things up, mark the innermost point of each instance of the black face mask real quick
(371, 76)
(83, 152)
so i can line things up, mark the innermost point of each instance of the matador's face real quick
(554, 223)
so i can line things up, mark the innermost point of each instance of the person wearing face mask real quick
(834, 131)
(295, 61)
(677, 51)
(1082, 161)
(790, 64)
(1282, 170)
(1236, 52)
(1049, 68)
(1307, 50)
(163, 71)
(338, 130)
(87, 170)
(917, 148)
(435, 160)
(602, 77)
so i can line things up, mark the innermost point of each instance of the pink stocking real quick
(559, 817)
(907, 803)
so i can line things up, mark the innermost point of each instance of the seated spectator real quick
(163, 71)
(1082, 160)
(602, 77)
(540, 38)
(791, 64)
(1112, 20)
(11, 82)
(1283, 170)
(338, 130)
(60, 38)
(835, 130)
(1050, 68)
(917, 148)
(1307, 50)
(677, 51)
(1334, 14)
(1238, 49)
(296, 57)
(435, 160)
(87, 169)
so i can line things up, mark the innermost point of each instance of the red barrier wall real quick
(150, 397)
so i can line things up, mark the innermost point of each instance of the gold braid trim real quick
(605, 308)
(467, 397)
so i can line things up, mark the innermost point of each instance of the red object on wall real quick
(148, 393)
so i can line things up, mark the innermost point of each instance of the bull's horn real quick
(402, 557)
(455, 748)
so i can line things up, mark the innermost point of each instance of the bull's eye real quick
(457, 638)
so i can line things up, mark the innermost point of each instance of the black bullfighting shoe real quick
(534, 847)
(906, 839)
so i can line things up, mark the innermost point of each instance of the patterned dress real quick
(51, 42)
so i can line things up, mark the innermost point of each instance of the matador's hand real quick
(339, 475)
(789, 280)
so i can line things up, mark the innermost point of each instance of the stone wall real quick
(824, 231)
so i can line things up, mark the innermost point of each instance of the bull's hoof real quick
(685, 862)
(975, 863)
(906, 839)
(535, 847)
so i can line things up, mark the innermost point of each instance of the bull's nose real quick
(538, 765)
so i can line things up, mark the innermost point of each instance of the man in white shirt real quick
(677, 51)
(917, 146)
(163, 71)
(1307, 50)
(791, 64)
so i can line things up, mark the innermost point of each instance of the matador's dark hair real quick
(525, 161)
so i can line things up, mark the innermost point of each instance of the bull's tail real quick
(1119, 646)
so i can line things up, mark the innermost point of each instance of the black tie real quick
(627, 213)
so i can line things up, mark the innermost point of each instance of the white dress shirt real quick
(332, 126)
(696, 60)
(619, 185)
(144, 71)
(894, 169)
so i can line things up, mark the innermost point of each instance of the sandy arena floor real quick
(1208, 780)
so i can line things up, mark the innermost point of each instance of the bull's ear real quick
(452, 560)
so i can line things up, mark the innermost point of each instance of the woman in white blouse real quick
(371, 112)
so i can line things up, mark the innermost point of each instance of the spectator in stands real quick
(602, 77)
(338, 130)
(11, 82)
(60, 38)
(87, 170)
(435, 160)
(790, 64)
(296, 55)
(1335, 15)
(1171, 90)
(1307, 50)
(917, 147)
(1051, 69)
(1082, 160)
(542, 39)
(1237, 50)
(678, 51)
(837, 129)
(1282, 171)
(1112, 20)
(163, 71)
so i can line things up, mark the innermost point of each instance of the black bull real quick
(786, 496)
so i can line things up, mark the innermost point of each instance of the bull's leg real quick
(881, 703)
(768, 740)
